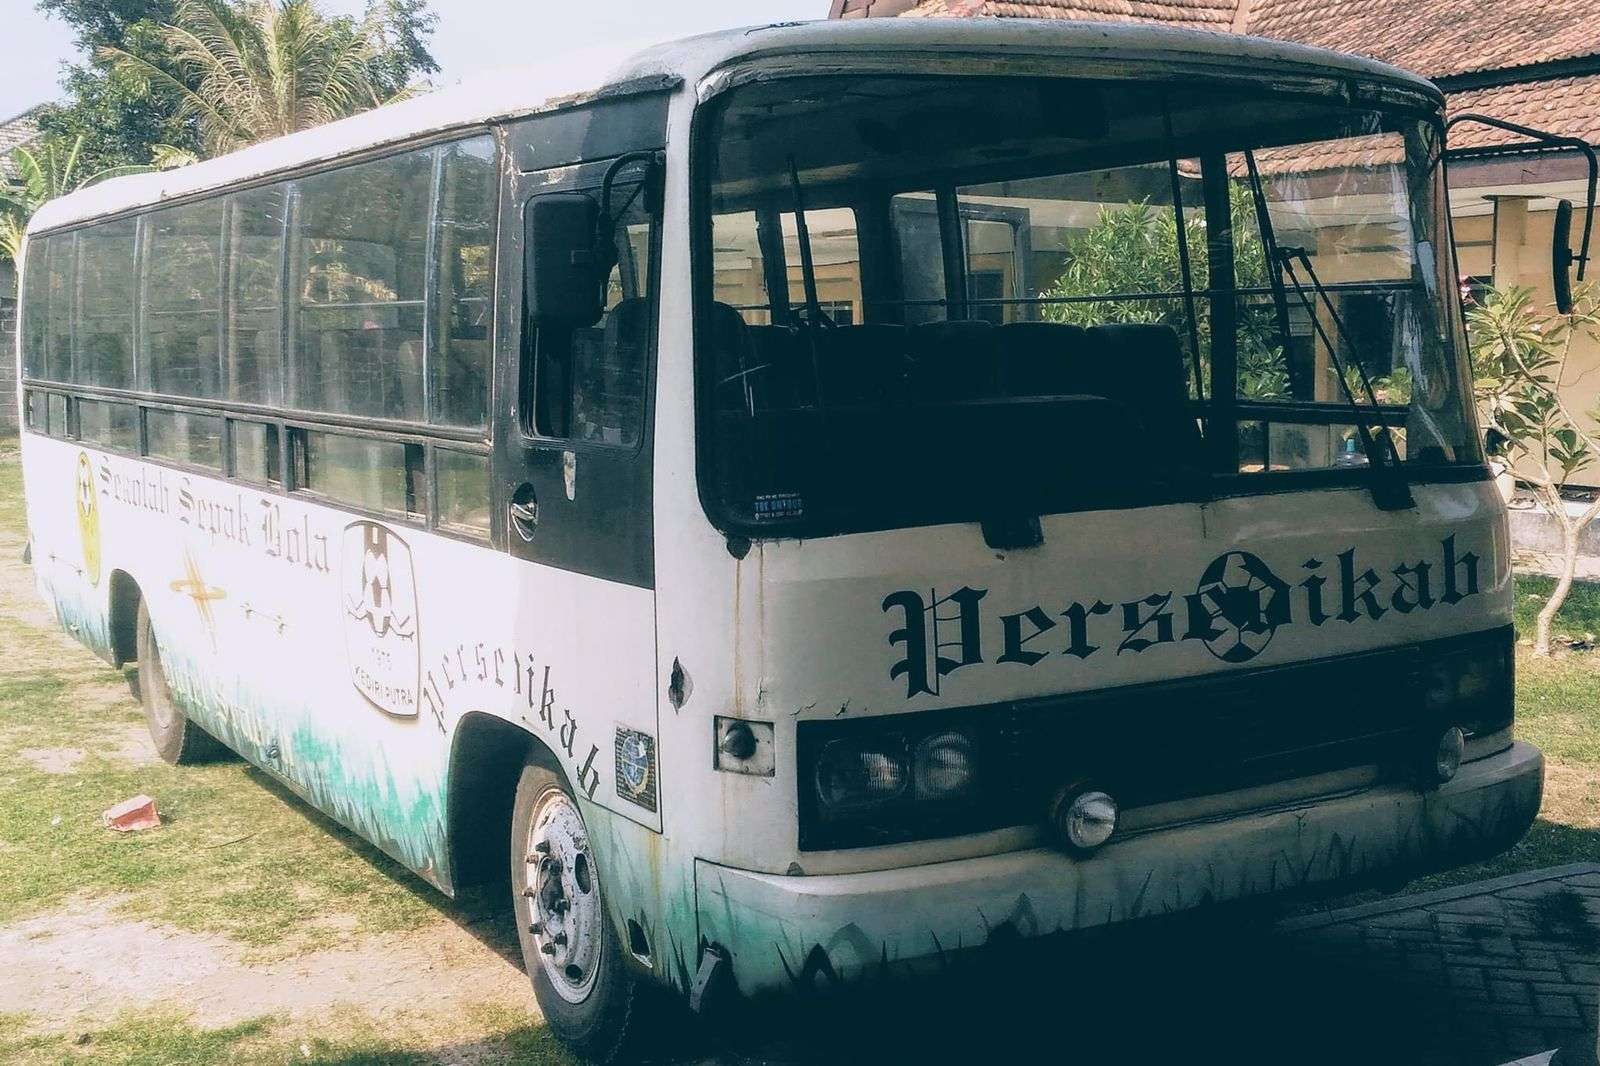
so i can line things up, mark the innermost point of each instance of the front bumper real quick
(782, 932)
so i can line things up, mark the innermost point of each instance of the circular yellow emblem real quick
(88, 519)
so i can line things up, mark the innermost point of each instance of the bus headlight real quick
(1447, 753)
(943, 767)
(852, 774)
(1085, 819)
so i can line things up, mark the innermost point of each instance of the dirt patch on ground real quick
(80, 965)
(131, 745)
(53, 760)
(1571, 795)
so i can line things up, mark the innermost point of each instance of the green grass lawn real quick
(236, 856)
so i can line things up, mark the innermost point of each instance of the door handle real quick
(524, 508)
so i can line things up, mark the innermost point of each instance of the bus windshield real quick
(941, 299)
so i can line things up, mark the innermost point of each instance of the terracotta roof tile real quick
(1436, 38)
(1196, 14)
(1566, 106)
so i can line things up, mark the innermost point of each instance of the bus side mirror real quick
(1561, 256)
(561, 267)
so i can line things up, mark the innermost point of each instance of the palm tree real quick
(48, 169)
(249, 70)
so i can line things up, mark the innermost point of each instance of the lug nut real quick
(561, 906)
(548, 949)
(536, 928)
(542, 847)
(559, 938)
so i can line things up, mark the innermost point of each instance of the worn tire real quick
(177, 739)
(597, 1020)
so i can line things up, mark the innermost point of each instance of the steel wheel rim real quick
(563, 893)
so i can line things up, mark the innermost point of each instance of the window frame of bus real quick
(53, 402)
(135, 409)
(291, 423)
(1394, 101)
(272, 452)
(155, 407)
(586, 178)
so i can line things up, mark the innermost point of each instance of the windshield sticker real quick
(774, 506)
(1237, 606)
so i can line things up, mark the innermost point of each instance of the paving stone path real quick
(1500, 969)
(1481, 975)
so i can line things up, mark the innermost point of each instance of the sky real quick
(473, 35)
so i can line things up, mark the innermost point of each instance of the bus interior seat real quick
(955, 360)
(783, 377)
(862, 365)
(626, 338)
(627, 327)
(1142, 365)
(730, 347)
(1036, 358)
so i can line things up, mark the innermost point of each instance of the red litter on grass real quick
(129, 816)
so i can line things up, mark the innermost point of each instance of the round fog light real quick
(1447, 756)
(1086, 820)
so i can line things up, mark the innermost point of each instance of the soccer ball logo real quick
(1247, 602)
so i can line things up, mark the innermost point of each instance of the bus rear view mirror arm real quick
(1562, 255)
(570, 245)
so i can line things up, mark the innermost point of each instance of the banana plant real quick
(47, 169)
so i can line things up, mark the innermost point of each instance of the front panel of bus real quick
(1055, 433)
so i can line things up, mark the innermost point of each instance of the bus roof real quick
(512, 94)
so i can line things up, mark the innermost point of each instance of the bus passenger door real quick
(573, 490)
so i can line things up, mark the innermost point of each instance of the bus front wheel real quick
(178, 740)
(569, 949)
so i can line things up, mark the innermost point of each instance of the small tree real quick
(1133, 248)
(1520, 353)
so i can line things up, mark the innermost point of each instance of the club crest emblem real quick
(88, 519)
(380, 605)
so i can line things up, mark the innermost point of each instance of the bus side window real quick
(35, 309)
(37, 416)
(58, 414)
(589, 385)
(464, 247)
(182, 301)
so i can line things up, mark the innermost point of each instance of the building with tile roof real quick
(16, 132)
(1532, 62)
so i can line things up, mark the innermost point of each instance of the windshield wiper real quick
(1390, 490)
(808, 268)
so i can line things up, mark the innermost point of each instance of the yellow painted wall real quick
(1521, 257)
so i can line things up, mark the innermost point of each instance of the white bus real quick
(826, 495)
